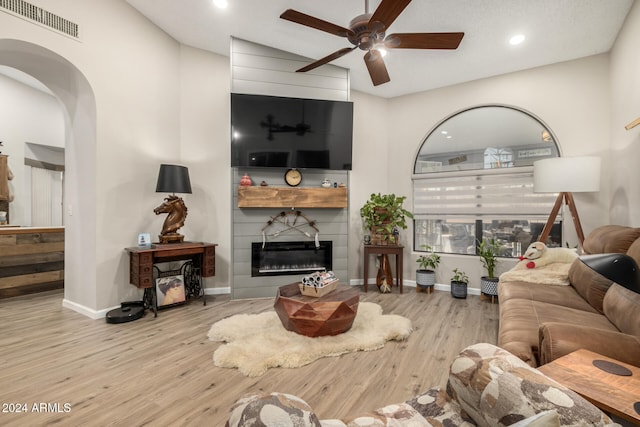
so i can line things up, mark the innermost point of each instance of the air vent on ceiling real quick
(41, 16)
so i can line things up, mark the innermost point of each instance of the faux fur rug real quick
(257, 342)
(556, 273)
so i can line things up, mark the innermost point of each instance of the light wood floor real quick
(160, 371)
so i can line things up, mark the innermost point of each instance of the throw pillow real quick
(273, 409)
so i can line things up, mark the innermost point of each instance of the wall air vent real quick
(40, 16)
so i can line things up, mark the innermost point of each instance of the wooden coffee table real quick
(331, 314)
(614, 394)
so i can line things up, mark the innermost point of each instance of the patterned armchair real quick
(487, 386)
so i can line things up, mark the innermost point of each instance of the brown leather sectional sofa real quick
(540, 323)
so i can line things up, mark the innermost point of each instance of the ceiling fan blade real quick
(423, 40)
(388, 11)
(376, 67)
(335, 55)
(313, 22)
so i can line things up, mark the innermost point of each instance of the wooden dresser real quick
(31, 260)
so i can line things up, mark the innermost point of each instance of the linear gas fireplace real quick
(290, 258)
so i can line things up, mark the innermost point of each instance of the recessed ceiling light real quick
(222, 4)
(517, 39)
(444, 132)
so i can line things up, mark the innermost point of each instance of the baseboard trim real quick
(86, 311)
(412, 284)
(217, 291)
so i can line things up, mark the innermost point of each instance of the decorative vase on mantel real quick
(245, 181)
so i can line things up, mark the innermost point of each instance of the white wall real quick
(26, 115)
(205, 148)
(572, 98)
(156, 102)
(130, 75)
(624, 196)
(371, 167)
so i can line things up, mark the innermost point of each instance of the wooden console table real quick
(615, 394)
(384, 250)
(142, 260)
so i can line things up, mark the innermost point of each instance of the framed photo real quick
(144, 239)
(170, 290)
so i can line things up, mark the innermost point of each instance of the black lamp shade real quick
(620, 268)
(173, 179)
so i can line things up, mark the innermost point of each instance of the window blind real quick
(495, 193)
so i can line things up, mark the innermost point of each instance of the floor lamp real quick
(565, 176)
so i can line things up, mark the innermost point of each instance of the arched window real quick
(473, 180)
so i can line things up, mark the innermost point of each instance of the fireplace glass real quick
(290, 258)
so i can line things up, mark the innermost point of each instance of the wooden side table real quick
(614, 394)
(396, 250)
(142, 260)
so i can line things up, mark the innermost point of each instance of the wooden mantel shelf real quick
(292, 197)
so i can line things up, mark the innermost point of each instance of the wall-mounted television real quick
(273, 131)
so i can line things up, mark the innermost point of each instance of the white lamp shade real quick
(566, 175)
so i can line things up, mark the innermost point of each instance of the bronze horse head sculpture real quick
(175, 207)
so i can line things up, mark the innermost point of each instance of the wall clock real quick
(293, 177)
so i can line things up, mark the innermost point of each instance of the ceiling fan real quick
(367, 32)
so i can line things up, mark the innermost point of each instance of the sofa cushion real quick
(621, 306)
(610, 239)
(497, 389)
(543, 419)
(272, 409)
(437, 407)
(588, 284)
(559, 339)
(390, 416)
(520, 320)
(563, 295)
(634, 251)
(432, 408)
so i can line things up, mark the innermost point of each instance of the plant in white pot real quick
(426, 274)
(488, 252)
(459, 282)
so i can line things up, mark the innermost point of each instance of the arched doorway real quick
(76, 96)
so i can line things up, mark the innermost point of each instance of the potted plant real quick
(384, 215)
(459, 282)
(488, 252)
(425, 274)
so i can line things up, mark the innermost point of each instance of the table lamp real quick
(565, 176)
(172, 179)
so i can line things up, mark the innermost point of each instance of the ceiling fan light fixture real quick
(367, 32)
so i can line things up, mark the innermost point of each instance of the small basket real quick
(312, 291)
